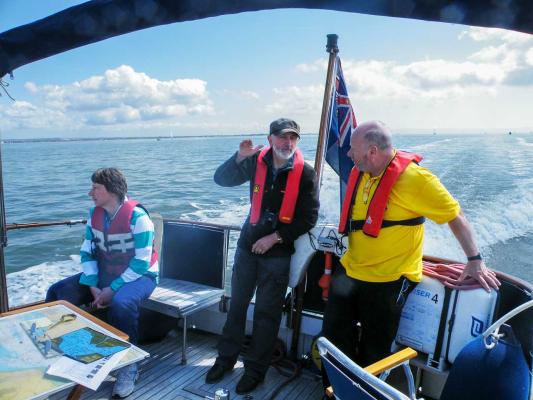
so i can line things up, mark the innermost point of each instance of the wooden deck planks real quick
(169, 372)
(164, 378)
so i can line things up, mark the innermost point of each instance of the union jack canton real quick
(342, 123)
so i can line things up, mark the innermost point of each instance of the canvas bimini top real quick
(97, 20)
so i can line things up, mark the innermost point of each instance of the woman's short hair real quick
(113, 180)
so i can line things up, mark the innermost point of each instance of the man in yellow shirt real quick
(384, 211)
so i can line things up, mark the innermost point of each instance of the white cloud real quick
(417, 92)
(240, 94)
(485, 34)
(248, 94)
(25, 115)
(430, 79)
(490, 53)
(470, 93)
(295, 100)
(374, 79)
(20, 109)
(441, 73)
(117, 115)
(30, 87)
(484, 71)
(529, 57)
(317, 65)
(123, 96)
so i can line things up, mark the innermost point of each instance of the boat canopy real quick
(97, 20)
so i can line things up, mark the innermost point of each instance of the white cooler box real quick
(439, 321)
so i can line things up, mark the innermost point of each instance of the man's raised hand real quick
(247, 149)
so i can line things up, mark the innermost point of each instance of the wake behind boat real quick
(437, 322)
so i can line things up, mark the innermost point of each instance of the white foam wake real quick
(522, 142)
(507, 216)
(225, 213)
(228, 212)
(40, 276)
(428, 146)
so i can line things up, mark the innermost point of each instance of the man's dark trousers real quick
(376, 305)
(271, 276)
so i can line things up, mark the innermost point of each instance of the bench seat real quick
(178, 299)
(192, 263)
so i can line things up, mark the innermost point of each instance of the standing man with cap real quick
(284, 197)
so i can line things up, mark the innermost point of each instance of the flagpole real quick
(332, 49)
(297, 295)
(4, 301)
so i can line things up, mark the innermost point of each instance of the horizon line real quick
(159, 137)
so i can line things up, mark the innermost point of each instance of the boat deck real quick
(163, 376)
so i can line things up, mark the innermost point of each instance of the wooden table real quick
(19, 380)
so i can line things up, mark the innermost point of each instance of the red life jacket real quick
(286, 212)
(376, 209)
(115, 245)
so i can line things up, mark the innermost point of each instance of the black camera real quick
(269, 220)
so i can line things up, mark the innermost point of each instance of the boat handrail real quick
(202, 223)
(25, 225)
(492, 331)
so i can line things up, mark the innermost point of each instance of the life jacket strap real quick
(357, 224)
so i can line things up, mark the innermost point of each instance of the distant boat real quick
(510, 133)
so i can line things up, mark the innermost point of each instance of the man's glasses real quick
(366, 190)
(404, 292)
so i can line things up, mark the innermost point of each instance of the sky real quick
(235, 74)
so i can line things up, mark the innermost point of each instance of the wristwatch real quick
(476, 257)
(278, 237)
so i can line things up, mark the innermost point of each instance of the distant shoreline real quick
(103, 138)
(37, 140)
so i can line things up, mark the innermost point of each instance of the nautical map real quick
(37, 331)
(87, 345)
(23, 366)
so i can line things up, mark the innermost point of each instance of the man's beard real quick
(284, 154)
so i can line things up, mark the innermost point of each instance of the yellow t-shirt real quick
(397, 251)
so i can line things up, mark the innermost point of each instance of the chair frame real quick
(358, 375)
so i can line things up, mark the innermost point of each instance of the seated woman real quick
(119, 263)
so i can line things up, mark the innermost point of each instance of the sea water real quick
(490, 175)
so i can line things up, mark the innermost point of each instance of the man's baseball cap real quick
(283, 125)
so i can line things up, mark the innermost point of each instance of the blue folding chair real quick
(350, 381)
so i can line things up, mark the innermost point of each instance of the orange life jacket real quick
(374, 221)
(286, 212)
